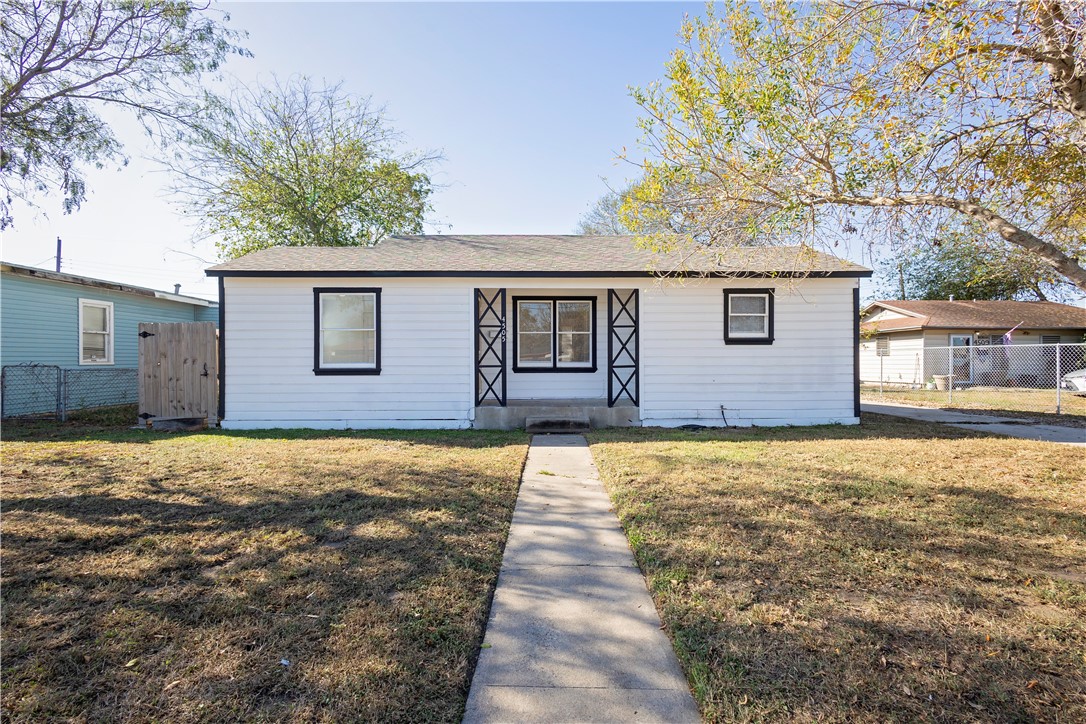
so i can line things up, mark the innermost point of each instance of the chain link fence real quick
(1014, 377)
(48, 391)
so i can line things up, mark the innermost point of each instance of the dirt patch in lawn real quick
(266, 576)
(894, 571)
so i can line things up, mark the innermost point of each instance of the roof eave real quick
(851, 273)
(63, 278)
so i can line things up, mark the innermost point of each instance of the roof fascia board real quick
(899, 310)
(533, 274)
(195, 301)
(32, 273)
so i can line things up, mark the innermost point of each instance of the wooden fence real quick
(178, 371)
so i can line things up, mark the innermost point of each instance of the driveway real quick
(1009, 426)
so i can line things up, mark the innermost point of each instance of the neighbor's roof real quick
(35, 273)
(942, 314)
(498, 255)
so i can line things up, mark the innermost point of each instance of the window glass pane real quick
(747, 325)
(574, 316)
(94, 319)
(347, 311)
(345, 348)
(748, 305)
(534, 347)
(534, 317)
(94, 347)
(574, 348)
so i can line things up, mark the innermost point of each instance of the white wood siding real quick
(426, 357)
(903, 366)
(881, 313)
(805, 377)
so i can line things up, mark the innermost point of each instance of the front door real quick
(961, 358)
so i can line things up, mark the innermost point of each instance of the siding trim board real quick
(222, 349)
(856, 351)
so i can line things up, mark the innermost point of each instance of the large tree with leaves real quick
(963, 267)
(62, 62)
(292, 164)
(816, 118)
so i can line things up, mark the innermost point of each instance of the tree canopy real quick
(962, 267)
(296, 165)
(63, 61)
(815, 120)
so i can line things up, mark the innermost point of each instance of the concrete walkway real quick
(1010, 426)
(573, 635)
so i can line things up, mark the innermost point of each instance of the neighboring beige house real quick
(905, 342)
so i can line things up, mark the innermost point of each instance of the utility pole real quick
(58, 253)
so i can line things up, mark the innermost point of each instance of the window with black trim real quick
(554, 334)
(347, 331)
(748, 316)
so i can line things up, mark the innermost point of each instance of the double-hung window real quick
(347, 334)
(556, 334)
(95, 332)
(748, 316)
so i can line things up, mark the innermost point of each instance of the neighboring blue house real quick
(81, 324)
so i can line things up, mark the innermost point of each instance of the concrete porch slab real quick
(516, 413)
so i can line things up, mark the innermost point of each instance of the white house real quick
(906, 342)
(487, 331)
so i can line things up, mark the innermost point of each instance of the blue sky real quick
(527, 102)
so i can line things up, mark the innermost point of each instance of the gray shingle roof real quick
(449, 255)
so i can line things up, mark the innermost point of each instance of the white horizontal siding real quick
(426, 356)
(804, 377)
(427, 353)
(902, 366)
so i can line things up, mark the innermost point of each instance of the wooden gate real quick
(178, 371)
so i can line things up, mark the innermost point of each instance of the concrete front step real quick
(557, 424)
(517, 414)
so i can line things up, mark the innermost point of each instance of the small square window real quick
(882, 345)
(748, 316)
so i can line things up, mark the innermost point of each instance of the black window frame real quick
(317, 369)
(768, 338)
(554, 335)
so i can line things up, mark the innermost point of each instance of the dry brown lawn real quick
(894, 571)
(267, 576)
